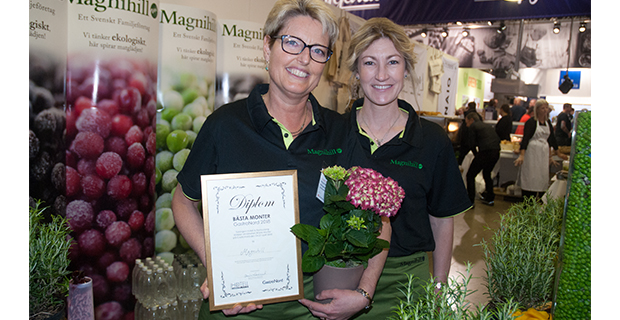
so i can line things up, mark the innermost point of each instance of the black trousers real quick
(483, 161)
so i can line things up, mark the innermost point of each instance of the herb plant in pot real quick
(355, 201)
(48, 263)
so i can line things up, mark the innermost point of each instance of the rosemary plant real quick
(450, 303)
(48, 249)
(521, 257)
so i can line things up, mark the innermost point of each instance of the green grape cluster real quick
(573, 300)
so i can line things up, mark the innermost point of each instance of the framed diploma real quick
(252, 255)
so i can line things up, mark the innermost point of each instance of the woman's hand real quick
(344, 304)
(519, 161)
(237, 309)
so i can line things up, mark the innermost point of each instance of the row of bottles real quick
(168, 291)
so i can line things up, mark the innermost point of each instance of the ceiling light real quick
(444, 32)
(582, 27)
(490, 23)
(424, 33)
(465, 32)
(556, 27)
(502, 27)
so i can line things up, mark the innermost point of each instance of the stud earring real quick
(267, 66)
(405, 76)
(357, 77)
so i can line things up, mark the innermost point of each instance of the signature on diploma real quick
(251, 252)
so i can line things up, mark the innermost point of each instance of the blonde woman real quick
(536, 153)
(272, 129)
(387, 135)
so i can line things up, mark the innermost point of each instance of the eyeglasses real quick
(294, 45)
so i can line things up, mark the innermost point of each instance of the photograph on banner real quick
(241, 64)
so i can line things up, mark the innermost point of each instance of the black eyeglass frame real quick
(329, 51)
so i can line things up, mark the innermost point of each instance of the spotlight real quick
(490, 23)
(465, 32)
(582, 27)
(424, 33)
(502, 27)
(556, 27)
(444, 32)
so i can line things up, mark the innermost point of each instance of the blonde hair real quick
(377, 28)
(283, 10)
(540, 103)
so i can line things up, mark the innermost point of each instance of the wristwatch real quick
(366, 295)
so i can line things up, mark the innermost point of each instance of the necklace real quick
(295, 133)
(380, 141)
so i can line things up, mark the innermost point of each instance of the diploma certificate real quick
(252, 255)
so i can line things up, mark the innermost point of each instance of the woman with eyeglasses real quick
(279, 126)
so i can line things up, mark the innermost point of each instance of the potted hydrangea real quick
(354, 202)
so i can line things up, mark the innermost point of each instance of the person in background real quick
(564, 126)
(517, 109)
(485, 145)
(524, 119)
(273, 129)
(387, 135)
(462, 133)
(490, 112)
(503, 128)
(536, 151)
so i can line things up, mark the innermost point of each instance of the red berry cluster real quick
(110, 173)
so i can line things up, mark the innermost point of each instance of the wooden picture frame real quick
(251, 254)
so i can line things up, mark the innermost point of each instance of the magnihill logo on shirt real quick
(409, 163)
(325, 152)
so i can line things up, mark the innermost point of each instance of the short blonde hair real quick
(377, 28)
(540, 103)
(283, 10)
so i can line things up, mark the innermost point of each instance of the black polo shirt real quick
(422, 160)
(243, 137)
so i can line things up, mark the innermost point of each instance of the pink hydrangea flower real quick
(369, 190)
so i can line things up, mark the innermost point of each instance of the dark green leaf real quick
(358, 238)
(312, 263)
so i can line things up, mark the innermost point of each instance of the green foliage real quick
(346, 236)
(48, 249)
(449, 303)
(522, 254)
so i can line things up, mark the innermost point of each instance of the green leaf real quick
(382, 244)
(326, 222)
(312, 236)
(333, 250)
(358, 238)
(312, 263)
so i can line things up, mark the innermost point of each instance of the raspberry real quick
(139, 183)
(105, 218)
(136, 220)
(70, 118)
(111, 310)
(94, 120)
(117, 271)
(106, 259)
(117, 233)
(142, 118)
(135, 155)
(125, 207)
(121, 124)
(80, 215)
(87, 145)
(109, 164)
(130, 251)
(82, 103)
(133, 135)
(119, 187)
(151, 107)
(91, 242)
(117, 145)
(145, 203)
(138, 80)
(73, 181)
(109, 106)
(86, 166)
(129, 100)
(93, 187)
(149, 166)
